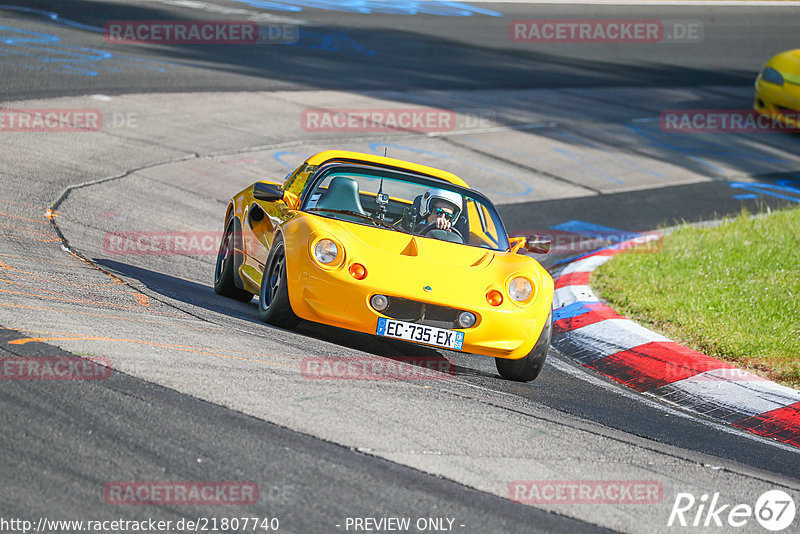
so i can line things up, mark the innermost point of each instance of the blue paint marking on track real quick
(279, 158)
(747, 196)
(701, 147)
(573, 310)
(375, 147)
(596, 231)
(780, 190)
(662, 144)
(45, 52)
(396, 7)
(330, 41)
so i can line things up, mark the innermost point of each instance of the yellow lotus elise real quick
(389, 248)
(778, 88)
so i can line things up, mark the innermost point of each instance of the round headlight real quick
(771, 75)
(466, 319)
(325, 251)
(520, 289)
(379, 302)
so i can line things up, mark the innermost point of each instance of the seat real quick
(342, 194)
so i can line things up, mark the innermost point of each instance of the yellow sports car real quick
(778, 88)
(389, 248)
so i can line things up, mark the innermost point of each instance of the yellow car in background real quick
(389, 248)
(778, 88)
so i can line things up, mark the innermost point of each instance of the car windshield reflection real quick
(417, 206)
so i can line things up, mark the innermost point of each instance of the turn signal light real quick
(494, 297)
(357, 271)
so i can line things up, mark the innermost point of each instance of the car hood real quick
(429, 258)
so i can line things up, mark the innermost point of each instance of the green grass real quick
(732, 292)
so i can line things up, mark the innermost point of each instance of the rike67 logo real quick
(774, 510)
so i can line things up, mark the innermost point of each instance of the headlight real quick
(466, 319)
(379, 302)
(771, 75)
(325, 251)
(520, 289)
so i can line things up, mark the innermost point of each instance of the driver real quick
(440, 207)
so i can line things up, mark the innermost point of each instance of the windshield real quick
(402, 203)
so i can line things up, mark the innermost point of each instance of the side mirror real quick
(267, 192)
(538, 244)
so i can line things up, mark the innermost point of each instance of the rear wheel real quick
(273, 299)
(528, 367)
(223, 273)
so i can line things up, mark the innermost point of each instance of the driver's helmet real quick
(436, 194)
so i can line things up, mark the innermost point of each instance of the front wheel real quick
(529, 366)
(273, 299)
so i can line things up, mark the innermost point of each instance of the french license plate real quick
(420, 333)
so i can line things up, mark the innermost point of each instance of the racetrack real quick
(203, 391)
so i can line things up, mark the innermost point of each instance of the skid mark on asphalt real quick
(205, 351)
(609, 153)
(700, 150)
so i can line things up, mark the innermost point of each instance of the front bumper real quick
(335, 298)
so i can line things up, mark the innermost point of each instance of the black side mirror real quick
(267, 192)
(538, 244)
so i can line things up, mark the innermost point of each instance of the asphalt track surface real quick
(202, 391)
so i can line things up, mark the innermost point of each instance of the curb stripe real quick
(782, 424)
(655, 364)
(580, 278)
(596, 336)
(605, 338)
(598, 312)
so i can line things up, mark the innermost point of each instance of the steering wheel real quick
(432, 226)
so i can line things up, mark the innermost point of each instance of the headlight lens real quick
(379, 302)
(520, 289)
(325, 251)
(771, 75)
(466, 319)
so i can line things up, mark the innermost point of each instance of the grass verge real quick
(732, 292)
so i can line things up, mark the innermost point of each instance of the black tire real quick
(223, 272)
(528, 367)
(273, 299)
